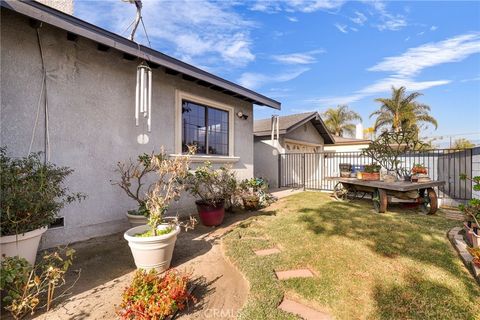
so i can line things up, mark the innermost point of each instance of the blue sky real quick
(311, 55)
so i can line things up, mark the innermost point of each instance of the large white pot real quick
(137, 220)
(152, 252)
(22, 245)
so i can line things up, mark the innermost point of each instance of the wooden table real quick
(422, 192)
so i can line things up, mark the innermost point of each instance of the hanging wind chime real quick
(143, 95)
(143, 88)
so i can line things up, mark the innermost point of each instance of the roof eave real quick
(327, 136)
(40, 12)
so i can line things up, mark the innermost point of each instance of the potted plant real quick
(405, 174)
(419, 169)
(32, 195)
(254, 194)
(475, 252)
(132, 181)
(471, 210)
(371, 172)
(152, 244)
(388, 149)
(209, 185)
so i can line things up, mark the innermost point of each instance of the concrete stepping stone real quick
(297, 273)
(303, 311)
(267, 252)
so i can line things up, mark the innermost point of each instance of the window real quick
(206, 127)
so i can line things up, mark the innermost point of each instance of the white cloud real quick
(433, 28)
(341, 27)
(405, 67)
(298, 58)
(306, 6)
(421, 33)
(392, 22)
(416, 59)
(292, 19)
(202, 31)
(388, 21)
(254, 80)
(354, 29)
(359, 18)
(381, 86)
(471, 79)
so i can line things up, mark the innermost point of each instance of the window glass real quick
(205, 127)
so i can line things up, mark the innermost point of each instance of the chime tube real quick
(149, 120)
(137, 90)
(142, 92)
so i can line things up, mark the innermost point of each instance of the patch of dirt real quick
(107, 267)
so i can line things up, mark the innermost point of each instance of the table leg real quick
(430, 201)
(380, 200)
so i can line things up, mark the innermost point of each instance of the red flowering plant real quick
(155, 296)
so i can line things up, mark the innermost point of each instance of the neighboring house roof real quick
(263, 127)
(350, 141)
(106, 40)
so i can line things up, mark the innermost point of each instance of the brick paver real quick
(297, 273)
(303, 311)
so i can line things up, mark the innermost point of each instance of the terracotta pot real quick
(152, 252)
(472, 234)
(136, 220)
(22, 245)
(250, 202)
(210, 215)
(370, 176)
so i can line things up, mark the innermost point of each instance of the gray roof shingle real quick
(262, 127)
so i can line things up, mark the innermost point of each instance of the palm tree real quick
(402, 112)
(339, 120)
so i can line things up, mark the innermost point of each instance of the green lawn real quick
(397, 265)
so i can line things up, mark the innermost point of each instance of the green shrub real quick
(23, 285)
(155, 296)
(211, 185)
(32, 193)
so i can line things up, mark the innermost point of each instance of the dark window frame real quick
(207, 131)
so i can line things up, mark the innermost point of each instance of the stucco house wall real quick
(346, 148)
(91, 120)
(306, 133)
(266, 159)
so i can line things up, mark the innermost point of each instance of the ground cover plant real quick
(397, 265)
(155, 296)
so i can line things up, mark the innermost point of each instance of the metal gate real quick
(311, 170)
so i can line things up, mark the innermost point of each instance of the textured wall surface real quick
(266, 160)
(62, 5)
(91, 120)
(307, 133)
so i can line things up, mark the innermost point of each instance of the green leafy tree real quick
(339, 120)
(462, 143)
(401, 112)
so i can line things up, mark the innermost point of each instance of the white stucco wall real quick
(265, 157)
(307, 133)
(346, 148)
(91, 120)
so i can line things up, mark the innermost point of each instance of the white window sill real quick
(213, 159)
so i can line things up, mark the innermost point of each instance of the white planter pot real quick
(22, 245)
(151, 252)
(137, 220)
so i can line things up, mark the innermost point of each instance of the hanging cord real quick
(146, 34)
(43, 92)
(36, 118)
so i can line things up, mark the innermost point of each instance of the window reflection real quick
(205, 127)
